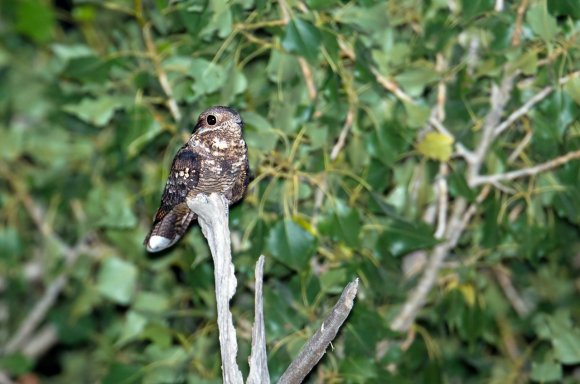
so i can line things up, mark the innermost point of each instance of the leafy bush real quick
(373, 128)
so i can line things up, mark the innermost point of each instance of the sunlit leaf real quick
(436, 146)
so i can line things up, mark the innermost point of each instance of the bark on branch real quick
(315, 348)
(212, 212)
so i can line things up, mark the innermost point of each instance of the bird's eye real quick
(211, 120)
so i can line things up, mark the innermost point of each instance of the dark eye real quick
(211, 120)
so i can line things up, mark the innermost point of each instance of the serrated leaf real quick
(437, 146)
(302, 38)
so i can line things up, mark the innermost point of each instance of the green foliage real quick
(337, 98)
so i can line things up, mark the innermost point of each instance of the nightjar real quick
(214, 159)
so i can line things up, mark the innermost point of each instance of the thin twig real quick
(315, 348)
(504, 280)
(306, 72)
(336, 149)
(339, 145)
(442, 200)
(521, 146)
(418, 297)
(46, 302)
(154, 55)
(259, 359)
(37, 314)
(524, 109)
(391, 86)
(516, 37)
(308, 78)
(531, 171)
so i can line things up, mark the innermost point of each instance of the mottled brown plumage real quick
(214, 159)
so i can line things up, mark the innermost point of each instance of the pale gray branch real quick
(38, 313)
(315, 348)
(499, 98)
(524, 109)
(259, 373)
(212, 212)
(531, 171)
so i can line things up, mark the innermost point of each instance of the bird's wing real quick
(173, 216)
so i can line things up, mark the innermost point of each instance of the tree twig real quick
(37, 314)
(154, 55)
(336, 149)
(315, 348)
(212, 212)
(258, 358)
(524, 109)
(518, 304)
(498, 99)
(531, 171)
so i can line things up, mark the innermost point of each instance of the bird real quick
(213, 160)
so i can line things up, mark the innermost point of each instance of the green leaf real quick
(97, 111)
(290, 244)
(417, 114)
(35, 19)
(122, 374)
(302, 38)
(542, 23)
(16, 364)
(134, 324)
(116, 279)
(565, 338)
(403, 237)
(111, 207)
(209, 77)
(414, 80)
(344, 225)
(572, 87)
(545, 372)
(436, 146)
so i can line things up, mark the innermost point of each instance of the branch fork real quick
(212, 212)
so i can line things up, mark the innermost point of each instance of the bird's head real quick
(219, 119)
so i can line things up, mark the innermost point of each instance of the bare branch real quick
(524, 109)
(443, 200)
(499, 98)
(315, 348)
(258, 359)
(337, 148)
(40, 342)
(391, 86)
(308, 78)
(418, 297)
(531, 171)
(5, 379)
(212, 214)
(460, 218)
(516, 37)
